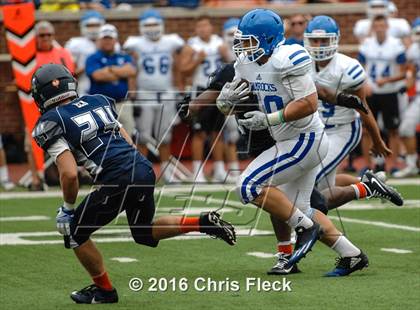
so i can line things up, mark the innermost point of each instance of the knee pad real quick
(318, 201)
(246, 189)
(143, 235)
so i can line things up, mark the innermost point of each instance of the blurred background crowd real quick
(108, 59)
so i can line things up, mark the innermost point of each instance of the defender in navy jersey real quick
(85, 131)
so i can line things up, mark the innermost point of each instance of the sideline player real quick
(203, 54)
(280, 76)
(384, 59)
(84, 46)
(85, 131)
(411, 116)
(156, 55)
(398, 27)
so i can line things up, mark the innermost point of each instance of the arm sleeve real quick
(47, 132)
(299, 86)
(57, 148)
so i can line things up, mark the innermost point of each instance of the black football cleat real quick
(305, 240)
(93, 294)
(347, 265)
(280, 267)
(378, 189)
(211, 224)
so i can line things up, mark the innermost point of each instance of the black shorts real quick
(133, 193)
(208, 119)
(387, 104)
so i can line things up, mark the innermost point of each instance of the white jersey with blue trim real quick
(383, 60)
(398, 28)
(413, 56)
(81, 48)
(155, 60)
(341, 73)
(271, 83)
(212, 61)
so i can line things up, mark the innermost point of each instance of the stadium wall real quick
(177, 20)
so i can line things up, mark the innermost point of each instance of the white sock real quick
(219, 167)
(4, 174)
(411, 160)
(298, 219)
(345, 248)
(234, 165)
(197, 167)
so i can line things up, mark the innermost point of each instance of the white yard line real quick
(124, 259)
(261, 254)
(181, 188)
(18, 238)
(24, 218)
(376, 223)
(398, 251)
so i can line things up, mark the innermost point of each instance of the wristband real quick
(68, 206)
(276, 118)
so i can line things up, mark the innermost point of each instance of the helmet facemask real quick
(247, 48)
(326, 50)
(152, 29)
(90, 28)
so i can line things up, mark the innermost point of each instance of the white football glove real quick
(63, 220)
(255, 120)
(231, 94)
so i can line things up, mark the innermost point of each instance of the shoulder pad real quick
(47, 131)
(292, 60)
(224, 74)
(353, 75)
(131, 42)
(105, 100)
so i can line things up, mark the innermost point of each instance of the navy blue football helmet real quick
(322, 27)
(259, 32)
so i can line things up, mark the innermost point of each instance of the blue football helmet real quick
(90, 23)
(259, 32)
(322, 27)
(229, 29)
(151, 24)
(415, 31)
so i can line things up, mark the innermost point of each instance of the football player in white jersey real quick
(156, 55)
(411, 116)
(398, 27)
(384, 59)
(285, 173)
(203, 55)
(84, 46)
(334, 73)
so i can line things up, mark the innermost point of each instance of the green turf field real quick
(38, 273)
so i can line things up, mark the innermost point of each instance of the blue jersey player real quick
(85, 131)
